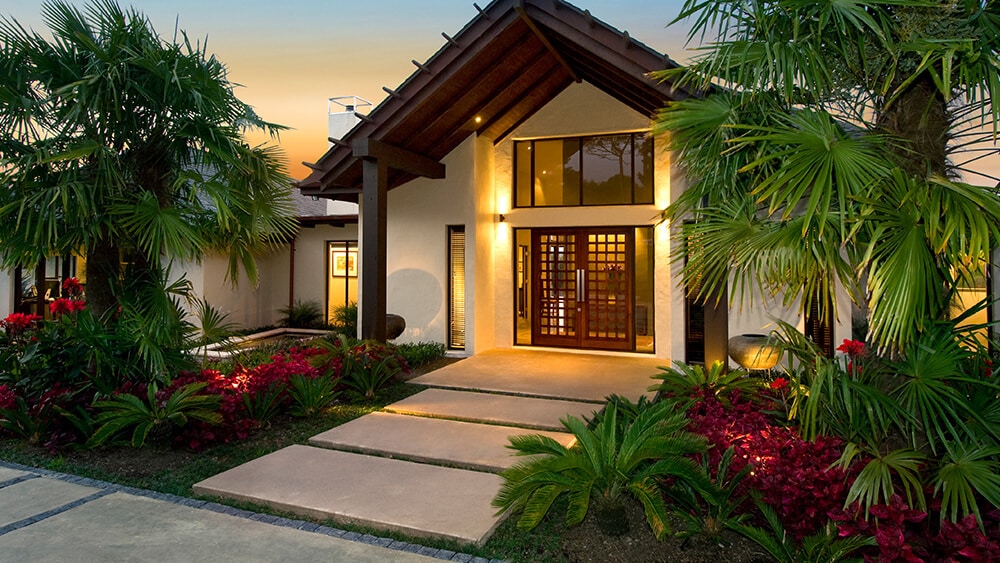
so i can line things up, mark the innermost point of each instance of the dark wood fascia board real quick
(330, 220)
(523, 14)
(398, 158)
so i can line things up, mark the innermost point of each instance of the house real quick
(510, 194)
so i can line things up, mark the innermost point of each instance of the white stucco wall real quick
(246, 304)
(311, 263)
(419, 213)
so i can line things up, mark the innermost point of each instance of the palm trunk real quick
(103, 271)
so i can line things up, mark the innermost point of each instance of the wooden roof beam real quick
(519, 8)
(398, 158)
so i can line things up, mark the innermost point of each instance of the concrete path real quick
(427, 465)
(48, 516)
(542, 373)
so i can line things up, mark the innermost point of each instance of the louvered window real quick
(819, 325)
(456, 287)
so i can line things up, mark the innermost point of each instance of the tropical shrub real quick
(310, 395)
(716, 507)
(683, 379)
(302, 314)
(827, 545)
(125, 411)
(604, 465)
(420, 353)
(344, 319)
(366, 367)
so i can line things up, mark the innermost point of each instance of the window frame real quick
(633, 135)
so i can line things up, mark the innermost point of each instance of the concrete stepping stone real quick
(526, 412)
(557, 375)
(468, 445)
(416, 499)
(35, 496)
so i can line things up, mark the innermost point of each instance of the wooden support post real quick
(373, 249)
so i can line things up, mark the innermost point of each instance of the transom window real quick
(602, 170)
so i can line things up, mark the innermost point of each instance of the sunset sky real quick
(292, 55)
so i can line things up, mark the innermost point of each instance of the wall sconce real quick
(501, 218)
(315, 198)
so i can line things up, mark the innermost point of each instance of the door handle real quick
(581, 285)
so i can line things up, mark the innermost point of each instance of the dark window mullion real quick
(579, 154)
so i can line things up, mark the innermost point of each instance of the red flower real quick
(852, 347)
(16, 323)
(779, 383)
(72, 287)
(63, 305)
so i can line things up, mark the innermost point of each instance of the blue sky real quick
(291, 55)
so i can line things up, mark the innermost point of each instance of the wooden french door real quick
(583, 288)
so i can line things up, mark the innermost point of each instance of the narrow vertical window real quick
(819, 324)
(456, 287)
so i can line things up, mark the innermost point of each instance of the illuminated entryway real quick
(585, 288)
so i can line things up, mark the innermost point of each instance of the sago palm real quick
(603, 466)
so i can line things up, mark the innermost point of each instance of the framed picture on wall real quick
(344, 264)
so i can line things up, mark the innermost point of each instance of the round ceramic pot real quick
(753, 352)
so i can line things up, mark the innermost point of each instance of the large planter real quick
(753, 352)
(394, 326)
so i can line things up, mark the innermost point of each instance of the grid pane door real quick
(583, 291)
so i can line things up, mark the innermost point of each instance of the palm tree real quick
(128, 148)
(829, 147)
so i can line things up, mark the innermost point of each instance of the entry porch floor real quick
(428, 465)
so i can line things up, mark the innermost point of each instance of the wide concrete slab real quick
(468, 445)
(35, 496)
(581, 377)
(417, 499)
(527, 412)
(123, 527)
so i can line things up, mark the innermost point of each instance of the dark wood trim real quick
(391, 156)
(373, 250)
(521, 13)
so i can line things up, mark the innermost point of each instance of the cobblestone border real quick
(108, 488)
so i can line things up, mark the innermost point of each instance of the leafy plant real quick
(213, 324)
(312, 394)
(124, 411)
(345, 319)
(420, 353)
(605, 464)
(707, 511)
(302, 314)
(717, 380)
(21, 421)
(264, 404)
(825, 546)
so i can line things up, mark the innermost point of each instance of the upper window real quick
(605, 170)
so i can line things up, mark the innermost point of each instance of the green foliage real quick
(682, 379)
(604, 464)
(312, 394)
(366, 368)
(302, 314)
(823, 547)
(213, 324)
(21, 421)
(831, 153)
(876, 483)
(264, 405)
(124, 411)
(344, 319)
(709, 510)
(966, 472)
(128, 148)
(420, 353)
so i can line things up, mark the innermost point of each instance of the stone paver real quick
(417, 499)
(36, 496)
(541, 373)
(492, 408)
(461, 444)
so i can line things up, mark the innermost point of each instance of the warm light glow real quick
(502, 235)
(479, 119)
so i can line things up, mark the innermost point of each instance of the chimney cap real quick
(348, 104)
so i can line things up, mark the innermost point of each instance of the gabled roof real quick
(512, 59)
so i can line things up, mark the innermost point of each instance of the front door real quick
(583, 288)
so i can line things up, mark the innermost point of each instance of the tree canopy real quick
(128, 148)
(832, 144)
